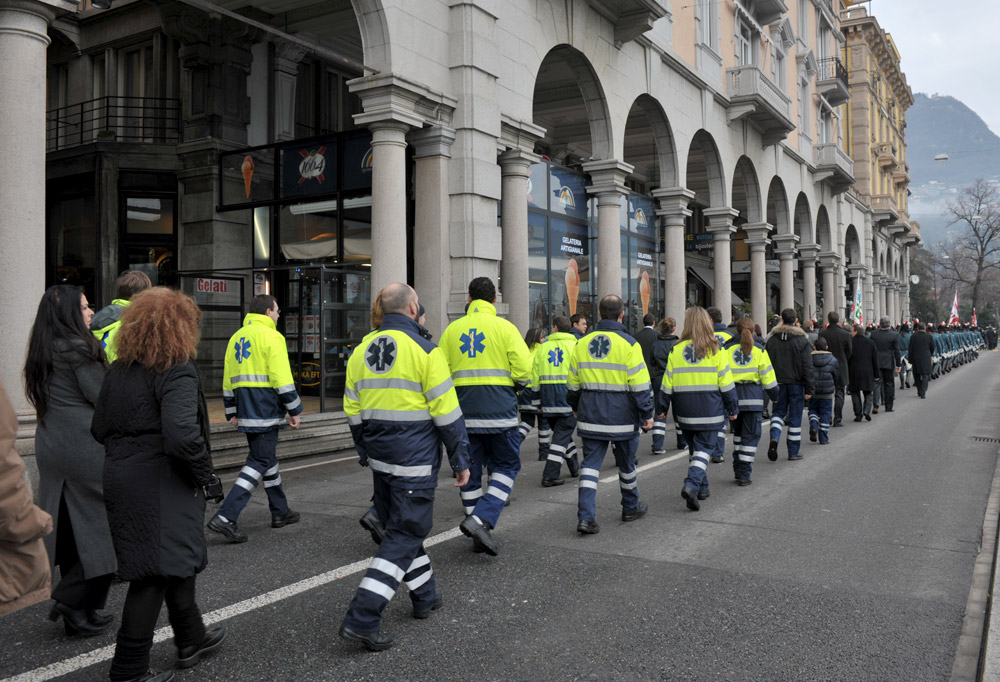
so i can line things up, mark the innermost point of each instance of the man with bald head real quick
(401, 407)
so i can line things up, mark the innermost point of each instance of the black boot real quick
(75, 621)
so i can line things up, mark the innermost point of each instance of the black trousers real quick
(74, 590)
(861, 408)
(922, 381)
(142, 608)
(838, 405)
(888, 387)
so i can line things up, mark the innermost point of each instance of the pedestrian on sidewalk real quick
(608, 389)
(152, 419)
(905, 367)
(699, 385)
(789, 350)
(921, 353)
(402, 407)
(666, 339)
(863, 368)
(108, 320)
(827, 372)
(839, 343)
(723, 335)
(754, 377)
(258, 390)
(489, 363)
(889, 353)
(549, 373)
(63, 373)
(527, 410)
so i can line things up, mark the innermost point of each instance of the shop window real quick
(73, 244)
(148, 238)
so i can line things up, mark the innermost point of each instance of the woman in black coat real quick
(921, 357)
(62, 377)
(863, 371)
(152, 419)
(664, 343)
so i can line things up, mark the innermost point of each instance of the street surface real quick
(853, 564)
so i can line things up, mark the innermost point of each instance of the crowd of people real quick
(124, 457)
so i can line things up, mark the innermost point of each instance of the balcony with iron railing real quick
(831, 81)
(752, 95)
(137, 120)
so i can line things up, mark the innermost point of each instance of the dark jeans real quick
(74, 590)
(142, 608)
(864, 408)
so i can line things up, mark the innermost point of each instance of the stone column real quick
(607, 183)
(673, 211)
(858, 273)
(785, 248)
(879, 298)
(432, 214)
(832, 296)
(286, 71)
(23, 43)
(388, 203)
(807, 261)
(758, 240)
(515, 165)
(720, 225)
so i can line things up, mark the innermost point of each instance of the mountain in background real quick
(938, 124)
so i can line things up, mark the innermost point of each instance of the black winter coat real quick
(661, 352)
(863, 365)
(839, 341)
(921, 352)
(888, 348)
(646, 337)
(155, 431)
(790, 350)
(827, 372)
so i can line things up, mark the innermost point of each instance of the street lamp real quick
(940, 157)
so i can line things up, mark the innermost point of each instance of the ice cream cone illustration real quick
(247, 169)
(644, 292)
(572, 284)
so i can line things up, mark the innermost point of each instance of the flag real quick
(953, 320)
(857, 314)
(974, 324)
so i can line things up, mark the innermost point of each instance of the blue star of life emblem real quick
(743, 360)
(599, 346)
(242, 349)
(689, 354)
(381, 355)
(556, 357)
(472, 343)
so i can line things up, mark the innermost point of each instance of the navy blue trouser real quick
(593, 457)
(261, 465)
(528, 420)
(499, 453)
(746, 436)
(400, 558)
(701, 444)
(820, 412)
(787, 412)
(562, 448)
(660, 435)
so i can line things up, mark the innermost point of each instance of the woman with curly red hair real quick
(151, 417)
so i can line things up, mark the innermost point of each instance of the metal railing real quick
(830, 69)
(145, 120)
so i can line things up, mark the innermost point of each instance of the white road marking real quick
(84, 660)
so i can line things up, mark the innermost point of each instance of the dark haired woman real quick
(152, 419)
(62, 378)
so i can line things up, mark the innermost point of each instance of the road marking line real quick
(103, 654)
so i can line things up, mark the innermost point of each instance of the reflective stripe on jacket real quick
(702, 391)
(487, 356)
(608, 384)
(401, 405)
(257, 386)
(549, 373)
(105, 325)
(752, 375)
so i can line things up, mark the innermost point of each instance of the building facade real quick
(703, 153)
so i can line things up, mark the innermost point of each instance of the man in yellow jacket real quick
(488, 358)
(108, 320)
(258, 390)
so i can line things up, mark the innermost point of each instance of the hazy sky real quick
(946, 48)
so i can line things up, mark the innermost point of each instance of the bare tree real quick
(974, 249)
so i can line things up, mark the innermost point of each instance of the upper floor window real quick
(707, 19)
(323, 103)
(745, 43)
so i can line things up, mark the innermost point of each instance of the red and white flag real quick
(974, 318)
(953, 320)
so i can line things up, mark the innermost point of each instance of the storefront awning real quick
(708, 278)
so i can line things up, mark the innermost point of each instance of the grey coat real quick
(71, 462)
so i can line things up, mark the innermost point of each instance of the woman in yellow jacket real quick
(699, 384)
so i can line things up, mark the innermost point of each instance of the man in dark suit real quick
(921, 356)
(839, 341)
(890, 356)
(646, 337)
(863, 368)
